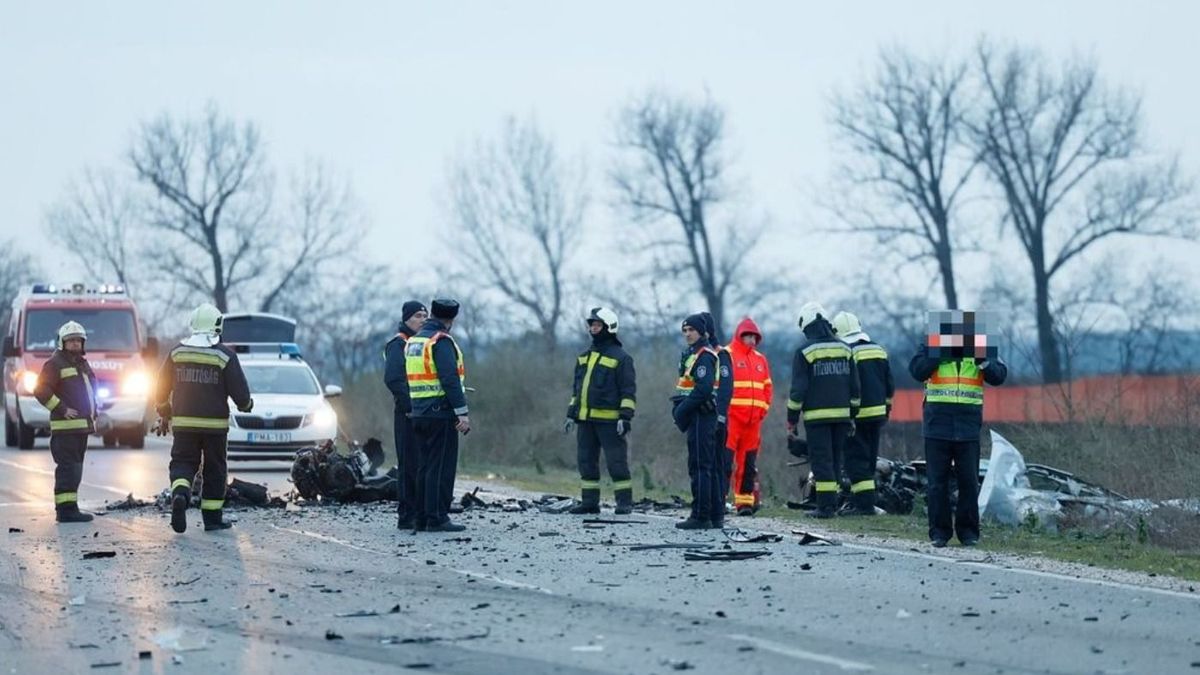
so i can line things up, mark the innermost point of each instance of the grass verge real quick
(1109, 550)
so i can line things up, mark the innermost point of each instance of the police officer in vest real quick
(695, 414)
(435, 371)
(953, 418)
(877, 387)
(195, 384)
(825, 393)
(67, 388)
(603, 400)
(412, 316)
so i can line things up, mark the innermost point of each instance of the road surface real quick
(524, 593)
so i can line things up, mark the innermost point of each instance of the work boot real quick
(446, 525)
(403, 523)
(716, 524)
(70, 513)
(863, 504)
(624, 497)
(589, 502)
(693, 523)
(826, 505)
(745, 511)
(214, 521)
(179, 504)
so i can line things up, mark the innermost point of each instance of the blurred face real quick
(750, 340)
(73, 345)
(594, 327)
(417, 320)
(691, 335)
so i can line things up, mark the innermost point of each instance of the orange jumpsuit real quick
(747, 410)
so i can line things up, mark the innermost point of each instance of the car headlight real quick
(135, 384)
(322, 417)
(29, 381)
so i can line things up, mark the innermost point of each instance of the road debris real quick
(356, 614)
(429, 639)
(751, 537)
(145, 655)
(181, 639)
(106, 664)
(77, 601)
(93, 555)
(15, 530)
(668, 545)
(814, 539)
(322, 473)
(330, 635)
(711, 555)
(612, 521)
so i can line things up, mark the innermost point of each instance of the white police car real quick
(291, 410)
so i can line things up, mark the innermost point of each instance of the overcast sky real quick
(386, 91)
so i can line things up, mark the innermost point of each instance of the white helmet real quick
(207, 319)
(809, 313)
(70, 329)
(605, 316)
(848, 328)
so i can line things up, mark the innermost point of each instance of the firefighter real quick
(195, 384)
(602, 405)
(751, 400)
(412, 316)
(877, 387)
(952, 422)
(825, 393)
(695, 414)
(435, 372)
(67, 388)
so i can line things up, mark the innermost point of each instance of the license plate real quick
(268, 437)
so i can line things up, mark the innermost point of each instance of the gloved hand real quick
(164, 410)
(623, 426)
(162, 427)
(568, 425)
(791, 430)
(248, 407)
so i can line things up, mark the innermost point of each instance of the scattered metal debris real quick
(357, 614)
(657, 547)
(330, 635)
(324, 473)
(15, 530)
(612, 521)
(814, 539)
(708, 555)
(429, 639)
(93, 555)
(751, 537)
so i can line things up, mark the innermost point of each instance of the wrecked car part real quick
(93, 555)
(814, 539)
(323, 472)
(611, 521)
(750, 537)
(722, 555)
(657, 547)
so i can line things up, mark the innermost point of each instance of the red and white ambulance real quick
(120, 353)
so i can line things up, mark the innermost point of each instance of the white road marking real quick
(48, 472)
(803, 655)
(465, 573)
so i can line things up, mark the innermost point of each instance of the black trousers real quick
(437, 456)
(704, 468)
(67, 451)
(193, 451)
(960, 460)
(406, 466)
(862, 451)
(590, 439)
(826, 442)
(725, 458)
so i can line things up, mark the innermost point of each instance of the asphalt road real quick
(525, 593)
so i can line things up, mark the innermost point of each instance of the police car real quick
(291, 409)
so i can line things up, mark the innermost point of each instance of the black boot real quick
(624, 498)
(589, 502)
(214, 521)
(70, 513)
(693, 523)
(826, 505)
(179, 504)
(446, 525)
(863, 504)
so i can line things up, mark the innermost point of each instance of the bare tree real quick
(517, 209)
(671, 176)
(16, 271)
(908, 158)
(1069, 159)
(212, 200)
(97, 221)
(324, 226)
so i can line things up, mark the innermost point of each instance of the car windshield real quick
(108, 330)
(279, 379)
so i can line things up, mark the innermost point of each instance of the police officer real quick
(435, 371)
(723, 399)
(67, 388)
(695, 414)
(877, 387)
(603, 400)
(412, 316)
(953, 420)
(825, 392)
(195, 384)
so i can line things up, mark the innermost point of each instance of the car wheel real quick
(135, 439)
(110, 440)
(25, 435)
(10, 432)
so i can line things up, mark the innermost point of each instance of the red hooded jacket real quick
(751, 377)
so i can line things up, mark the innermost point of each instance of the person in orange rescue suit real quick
(67, 388)
(877, 387)
(603, 400)
(752, 389)
(195, 384)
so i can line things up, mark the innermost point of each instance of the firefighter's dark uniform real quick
(877, 387)
(67, 381)
(435, 371)
(825, 393)
(604, 391)
(953, 419)
(695, 413)
(396, 379)
(194, 388)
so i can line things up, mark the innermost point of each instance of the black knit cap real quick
(445, 308)
(696, 321)
(412, 307)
